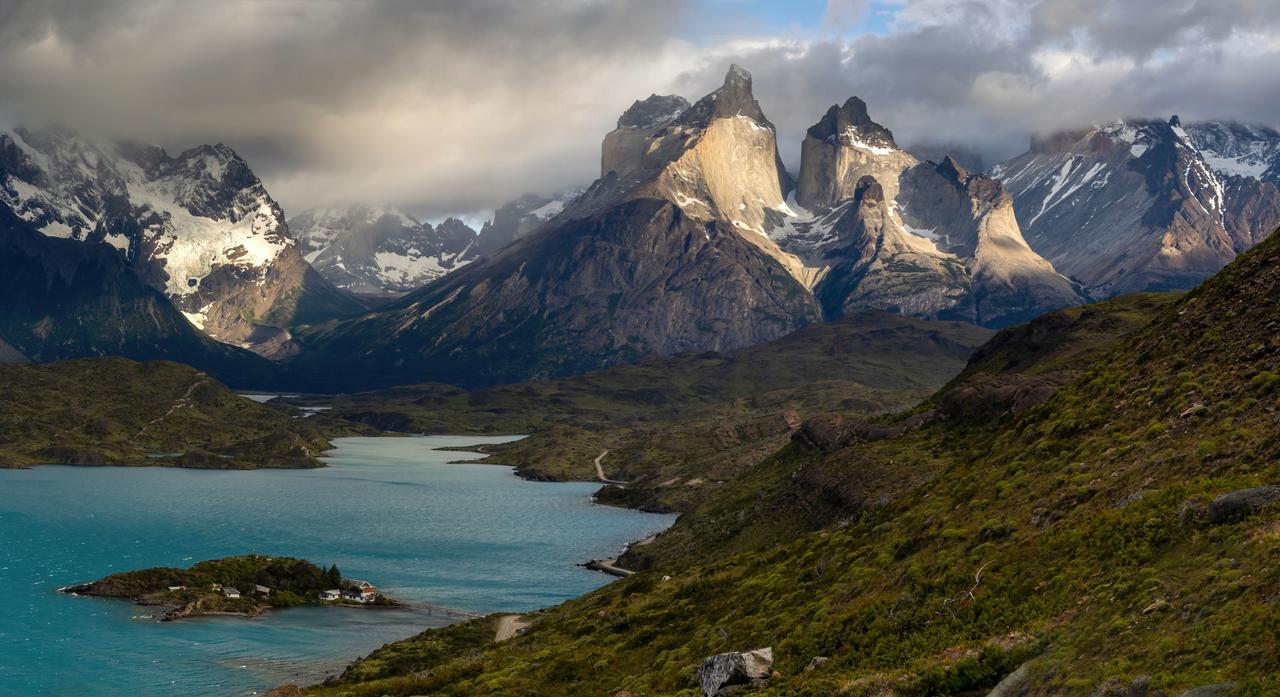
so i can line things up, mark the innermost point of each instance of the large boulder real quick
(1238, 504)
(733, 668)
(1014, 684)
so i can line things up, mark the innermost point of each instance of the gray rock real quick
(1238, 504)
(815, 663)
(1014, 684)
(733, 668)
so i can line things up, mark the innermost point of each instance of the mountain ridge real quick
(199, 226)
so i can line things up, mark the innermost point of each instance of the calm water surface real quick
(390, 510)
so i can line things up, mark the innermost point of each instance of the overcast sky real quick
(455, 107)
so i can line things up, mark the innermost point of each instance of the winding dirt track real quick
(600, 471)
(508, 625)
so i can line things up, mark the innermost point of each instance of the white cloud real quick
(455, 107)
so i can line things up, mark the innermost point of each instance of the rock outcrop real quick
(624, 147)
(1014, 684)
(734, 668)
(1238, 504)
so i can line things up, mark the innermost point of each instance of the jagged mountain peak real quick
(379, 250)
(653, 111)
(839, 149)
(851, 124)
(952, 170)
(732, 99)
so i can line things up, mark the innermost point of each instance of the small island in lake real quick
(245, 586)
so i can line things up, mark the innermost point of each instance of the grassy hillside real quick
(120, 412)
(695, 418)
(1082, 524)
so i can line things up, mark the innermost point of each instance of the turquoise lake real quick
(390, 510)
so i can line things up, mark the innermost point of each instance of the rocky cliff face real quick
(624, 147)
(381, 251)
(1146, 205)
(716, 161)
(199, 226)
(841, 149)
(890, 233)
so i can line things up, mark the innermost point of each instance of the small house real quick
(261, 590)
(231, 592)
(330, 595)
(177, 588)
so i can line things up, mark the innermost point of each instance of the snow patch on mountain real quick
(381, 250)
(178, 220)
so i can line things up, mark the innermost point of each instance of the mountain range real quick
(1146, 205)
(687, 242)
(199, 227)
(693, 238)
(381, 251)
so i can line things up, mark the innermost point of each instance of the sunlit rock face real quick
(883, 231)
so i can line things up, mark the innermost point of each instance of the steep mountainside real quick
(66, 299)
(379, 251)
(1089, 510)
(199, 226)
(1146, 204)
(668, 257)
(519, 218)
(888, 232)
(638, 279)
(100, 411)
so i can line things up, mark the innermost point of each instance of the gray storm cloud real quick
(452, 107)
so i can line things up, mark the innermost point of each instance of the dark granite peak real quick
(653, 111)
(733, 98)
(951, 169)
(852, 116)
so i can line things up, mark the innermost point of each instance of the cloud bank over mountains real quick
(450, 108)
